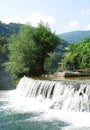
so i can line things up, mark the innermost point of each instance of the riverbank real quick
(68, 73)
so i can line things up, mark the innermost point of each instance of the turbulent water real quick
(46, 105)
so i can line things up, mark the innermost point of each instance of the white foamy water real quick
(64, 101)
(22, 103)
(65, 95)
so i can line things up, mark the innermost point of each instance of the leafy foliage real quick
(5, 78)
(46, 43)
(52, 63)
(78, 56)
(29, 49)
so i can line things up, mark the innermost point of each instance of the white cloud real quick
(85, 12)
(73, 24)
(33, 19)
(87, 27)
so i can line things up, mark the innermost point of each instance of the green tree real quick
(52, 63)
(29, 49)
(46, 42)
(21, 58)
(85, 40)
(78, 56)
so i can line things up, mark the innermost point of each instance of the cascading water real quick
(64, 95)
(46, 105)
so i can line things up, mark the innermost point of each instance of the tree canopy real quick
(78, 56)
(29, 50)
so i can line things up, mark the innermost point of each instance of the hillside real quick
(75, 36)
(6, 30)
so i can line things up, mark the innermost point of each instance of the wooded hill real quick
(6, 30)
(75, 36)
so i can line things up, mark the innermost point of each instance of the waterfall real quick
(65, 95)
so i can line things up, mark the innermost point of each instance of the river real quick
(18, 112)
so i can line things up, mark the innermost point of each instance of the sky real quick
(61, 15)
